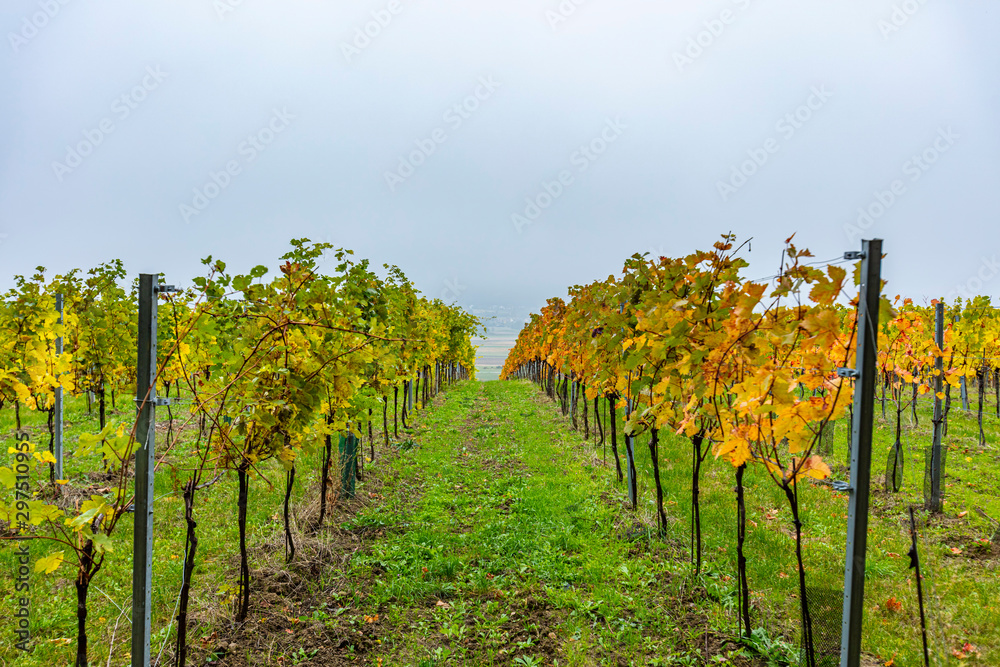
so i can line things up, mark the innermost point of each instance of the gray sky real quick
(642, 108)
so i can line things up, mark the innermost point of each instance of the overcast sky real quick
(424, 133)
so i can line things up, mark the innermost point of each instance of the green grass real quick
(493, 534)
(53, 597)
(524, 554)
(960, 590)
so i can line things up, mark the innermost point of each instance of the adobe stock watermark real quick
(121, 109)
(900, 16)
(989, 268)
(705, 39)
(562, 12)
(328, 253)
(786, 127)
(224, 8)
(22, 582)
(454, 116)
(452, 291)
(582, 159)
(249, 150)
(363, 35)
(914, 168)
(655, 253)
(33, 24)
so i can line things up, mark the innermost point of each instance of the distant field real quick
(492, 352)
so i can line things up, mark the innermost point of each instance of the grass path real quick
(495, 548)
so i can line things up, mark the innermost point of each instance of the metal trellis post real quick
(145, 446)
(348, 449)
(861, 452)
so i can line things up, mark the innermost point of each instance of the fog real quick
(500, 151)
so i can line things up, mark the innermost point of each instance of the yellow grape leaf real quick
(45, 457)
(940, 395)
(826, 292)
(38, 512)
(822, 321)
(7, 477)
(88, 441)
(734, 450)
(815, 467)
(89, 510)
(31, 447)
(23, 393)
(50, 563)
(751, 296)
